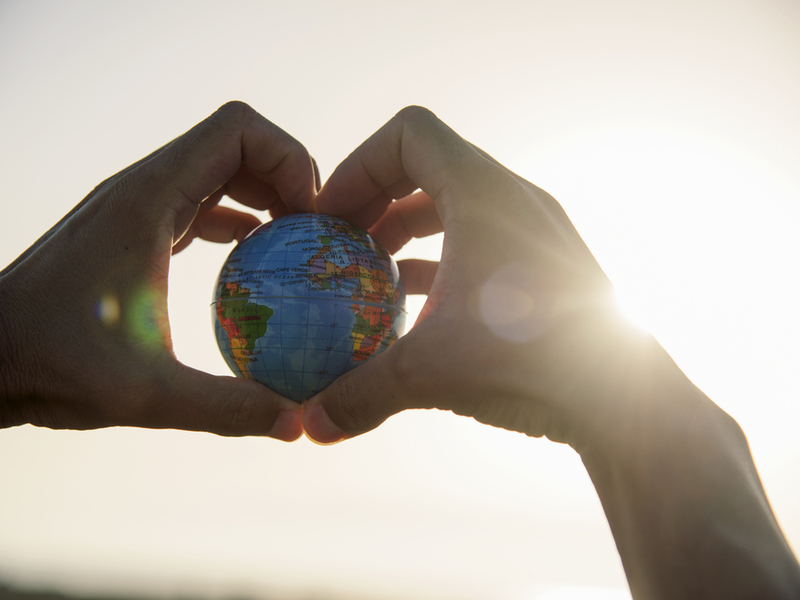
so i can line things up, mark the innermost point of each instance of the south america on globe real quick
(302, 300)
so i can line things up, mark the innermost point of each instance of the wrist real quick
(675, 430)
(645, 402)
(6, 352)
(686, 507)
(603, 382)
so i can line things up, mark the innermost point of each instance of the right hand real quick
(519, 330)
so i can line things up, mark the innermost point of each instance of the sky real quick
(670, 133)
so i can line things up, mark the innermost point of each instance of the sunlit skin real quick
(673, 471)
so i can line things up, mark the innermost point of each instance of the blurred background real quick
(670, 132)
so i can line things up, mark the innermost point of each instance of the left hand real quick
(84, 331)
(519, 330)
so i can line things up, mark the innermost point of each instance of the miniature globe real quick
(302, 300)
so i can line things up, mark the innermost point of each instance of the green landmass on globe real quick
(302, 300)
(244, 322)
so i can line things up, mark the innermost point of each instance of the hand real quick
(519, 329)
(84, 332)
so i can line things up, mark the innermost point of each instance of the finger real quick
(368, 214)
(254, 192)
(413, 150)
(432, 366)
(195, 165)
(411, 217)
(317, 178)
(279, 210)
(228, 406)
(407, 375)
(417, 275)
(358, 401)
(221, 225)
(251, 191)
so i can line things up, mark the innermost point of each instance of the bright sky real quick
(670, 132)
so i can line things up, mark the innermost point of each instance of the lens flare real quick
(147, 320)
(107, 310)
(507, 304)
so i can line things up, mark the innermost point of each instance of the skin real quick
(519, 331)
(73, 369)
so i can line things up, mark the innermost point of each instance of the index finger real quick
(415, 149)
(235, 137)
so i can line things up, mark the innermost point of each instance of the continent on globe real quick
(369, 330)
(366, 284)
(243, 321)
(303, 299)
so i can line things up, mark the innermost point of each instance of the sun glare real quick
(685, 228)
(634, 308)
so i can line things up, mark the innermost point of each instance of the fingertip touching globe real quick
(302, 300)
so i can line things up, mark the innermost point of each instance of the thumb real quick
(361, 399)
(198, 401)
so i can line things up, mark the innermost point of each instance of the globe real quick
(302, 300)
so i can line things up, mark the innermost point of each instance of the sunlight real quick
(693, 218)
(634, 308)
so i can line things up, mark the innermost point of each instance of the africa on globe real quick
(302, 300)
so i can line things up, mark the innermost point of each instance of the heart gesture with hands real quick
(519, 331)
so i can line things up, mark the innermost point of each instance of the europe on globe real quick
(302, 300)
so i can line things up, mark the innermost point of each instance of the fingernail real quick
(288, 426)
(319, 428)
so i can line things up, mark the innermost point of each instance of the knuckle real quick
(415, 112)
(236, 415)
(403, 370)
(234, 110)
(233, 414)
(292, 148)
(352, 414)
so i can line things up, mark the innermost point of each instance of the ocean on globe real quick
(302, 300)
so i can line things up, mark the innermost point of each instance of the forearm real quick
(686, 507)
(6, 353)
(12, 391)
(6, 344)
